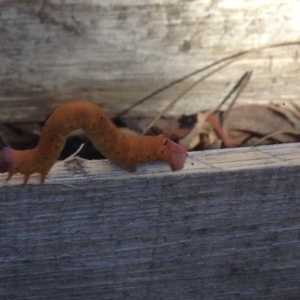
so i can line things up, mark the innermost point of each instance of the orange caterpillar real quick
(119, 148)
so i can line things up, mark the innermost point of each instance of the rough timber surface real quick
(225, 227)
(114, 52)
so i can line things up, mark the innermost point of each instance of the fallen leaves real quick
(245, 125)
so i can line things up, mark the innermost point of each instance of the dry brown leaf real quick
(203, 129)
(247, 121)
(292, 115)
(244, 125)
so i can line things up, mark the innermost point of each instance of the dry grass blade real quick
(273, 134)
(291, 115)
(75, 153)
(231, 58)
(232, 91)
(158, 91)
(241, 87)
(171, 104)
(242, 83)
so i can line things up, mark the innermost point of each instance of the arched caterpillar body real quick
(119, 148)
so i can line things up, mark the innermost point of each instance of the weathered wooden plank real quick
(115, 52)
(225, 227)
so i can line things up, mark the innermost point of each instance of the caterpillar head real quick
(173, 153)
(6, 159)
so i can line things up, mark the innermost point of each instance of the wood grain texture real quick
(115, 52)
(225, 227)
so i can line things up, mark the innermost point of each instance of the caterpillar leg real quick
(9, 176)
(26, 177)
(131, 169)
(43, 177)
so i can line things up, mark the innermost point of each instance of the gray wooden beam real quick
(225, 227)
(116, 52)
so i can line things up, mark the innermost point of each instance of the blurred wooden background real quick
(114, 52)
